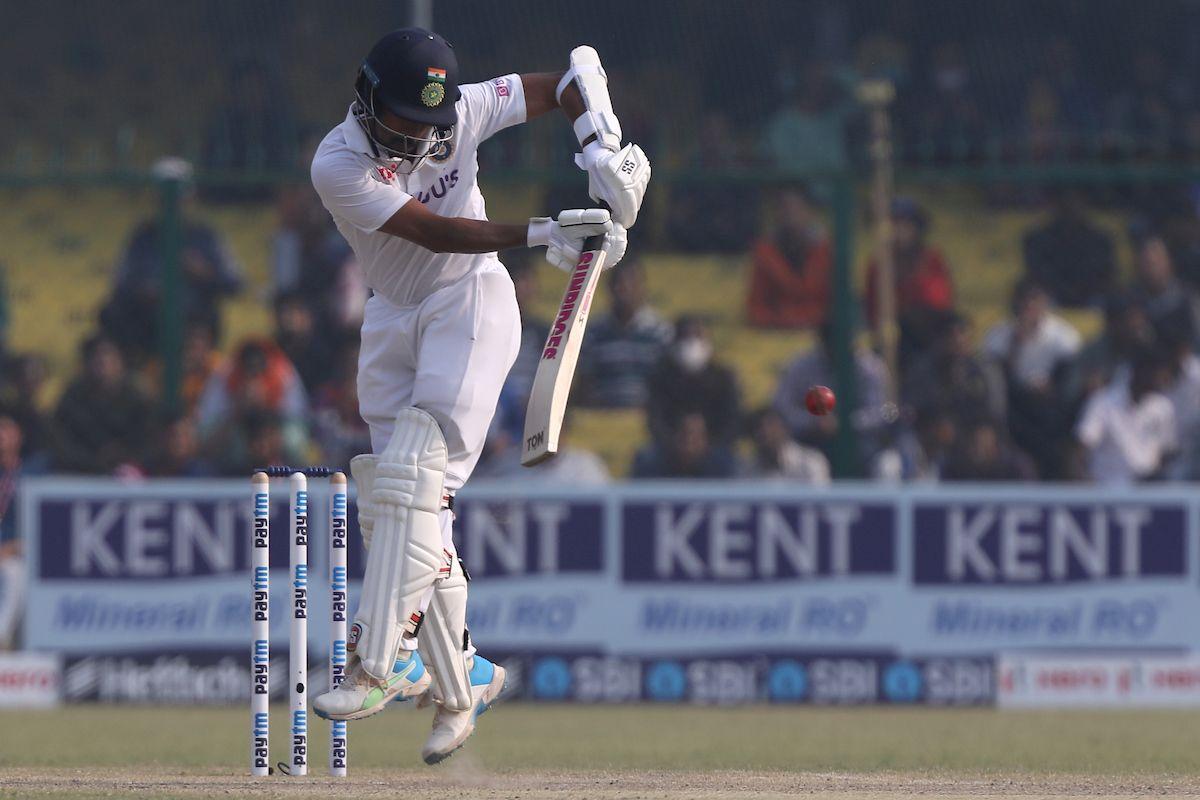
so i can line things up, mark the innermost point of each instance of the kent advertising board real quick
(650, 572)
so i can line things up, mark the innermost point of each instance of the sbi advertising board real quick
(656, 592)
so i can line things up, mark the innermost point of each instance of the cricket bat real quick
(556, 369)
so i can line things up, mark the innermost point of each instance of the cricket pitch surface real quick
(532, 752)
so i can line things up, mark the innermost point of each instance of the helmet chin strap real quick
(404, 163)
(415, 161)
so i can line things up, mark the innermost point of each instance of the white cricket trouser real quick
(448, 355)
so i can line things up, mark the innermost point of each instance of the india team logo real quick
(434, 92)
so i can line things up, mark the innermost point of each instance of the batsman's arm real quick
(540, 97)
(563, 238)
(617, 176)
(418, 224)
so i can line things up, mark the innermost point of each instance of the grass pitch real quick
(540, 751)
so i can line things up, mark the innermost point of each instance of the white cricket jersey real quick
(362, 192)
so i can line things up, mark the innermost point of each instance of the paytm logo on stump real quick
(737, 541)
(1018, 544)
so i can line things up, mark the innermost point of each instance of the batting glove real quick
(563, 238)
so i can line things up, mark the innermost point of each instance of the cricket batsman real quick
(440, 332)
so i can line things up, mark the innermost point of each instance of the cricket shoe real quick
(451, 728)
(359, 695)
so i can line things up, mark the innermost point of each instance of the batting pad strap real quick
(362, 469)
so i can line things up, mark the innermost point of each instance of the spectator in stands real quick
(514, 397)
(13, 577)
(298, 334)
(924, 291)
(950, 374)
(1180, 222)
(207, 274)
(22, 378)
(622, 348)
(687, 453)
(1141, 115)
(1126, 331)
(201, 360)
(253, 130)
(1168, 303)
(777, 456)
(1035, 349)
(259, 380)
(1128, 429)
(4, 312)
(919, 452)
(573, 465)
(103, 421)
(178, 454)
(948, 123)
(1183, 391)
(815, 367)
(985, 454)
(1072, 95)
(713, 217)
(1044, 129)
(338, 427)
(1069, 255)
(790, 266)
(688, 380)
(14, 465)
(259, 439)
(310, 259)
(809, 131)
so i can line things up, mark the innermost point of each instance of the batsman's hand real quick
(615, 243)
(616, 178)
(563, 238)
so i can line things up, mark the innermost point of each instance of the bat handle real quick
(595, 242)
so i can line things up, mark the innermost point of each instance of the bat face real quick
(556, 370)
(573, 307)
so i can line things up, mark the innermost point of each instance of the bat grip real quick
(596, 242)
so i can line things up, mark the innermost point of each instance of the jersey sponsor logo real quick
(501, 87)
(386, 174)
(438, 190)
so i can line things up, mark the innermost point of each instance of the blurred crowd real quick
(1026, 399)
(978, 81)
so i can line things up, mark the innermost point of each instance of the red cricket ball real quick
(820, 400)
